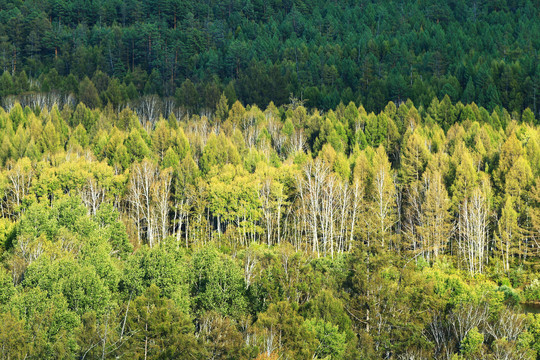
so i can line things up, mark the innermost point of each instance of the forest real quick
(269, 180)
(283, 233)
(257, 51)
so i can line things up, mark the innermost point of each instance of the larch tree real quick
(508, 233)
(465, 175)
(414, 159)
(383, 200)
(362, 173)
(161, 138)
(533, 229)
(434, 227)
(510, 152)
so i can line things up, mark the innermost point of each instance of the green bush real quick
(532, 291)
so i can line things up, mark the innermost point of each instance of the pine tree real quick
(469, 94)
(88, 94)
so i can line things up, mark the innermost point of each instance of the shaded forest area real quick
(264, 234)
(261, 51)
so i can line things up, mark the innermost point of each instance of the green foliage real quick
(13, 337)
(160, 330)
(217, 283)
(331, 341)
(88, 93)
(268, 234)
(7, 290)
(218, 151)
(48, 321)
(113, 230)
(471, 346)
(281, 321)
(511, 298)
(80, 284)
(162, 266)
(532, 291)
(320, 52)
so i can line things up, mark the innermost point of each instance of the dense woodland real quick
(283, 233)
(257, 51)
(269, 179)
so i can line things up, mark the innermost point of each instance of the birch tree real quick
(19, 179)
(310, 187)
(473, 231)
(149, 193)
(161, 190)
(272, 202)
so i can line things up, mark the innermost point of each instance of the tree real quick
(217, 284)
(88, 94)
(435, 226)
(162, 266)
(283, 331)
(218, 151)
(187, 95)
(465, 175)
(384, 214)
(221, 336)
(222, 109)
(331, 341)
(508, 233)
(310, 188)
(469, 94)
(414, 159)
(78, 283)
(14, 338)
(19, 177)
(471, 346)
(135, 145)
(472, 230)
(510, 152)
(49, 323)
(161, 138)
(159, 330)
(149, 190)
